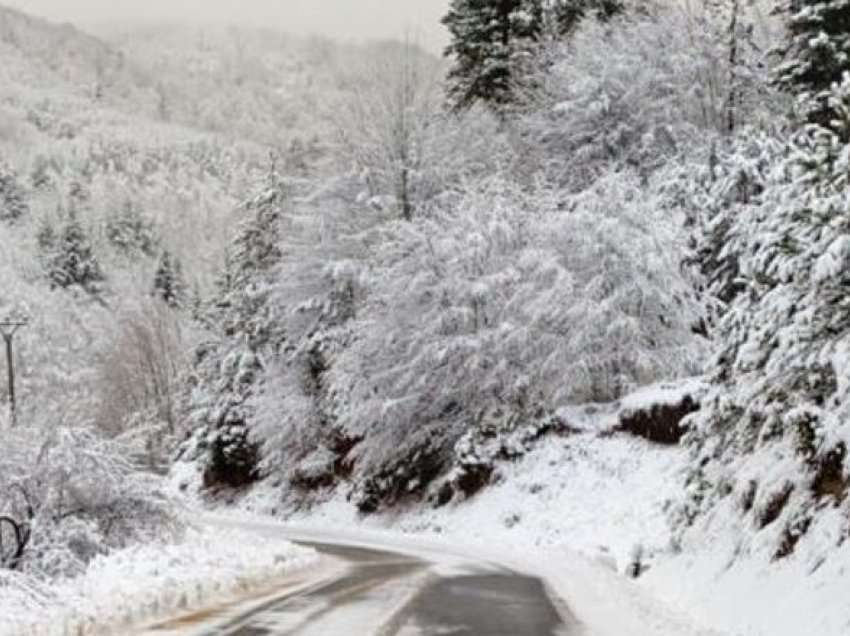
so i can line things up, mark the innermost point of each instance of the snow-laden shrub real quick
(773, 435)
(142, 584)
(73, 494)
(139, 364)
(512, 300)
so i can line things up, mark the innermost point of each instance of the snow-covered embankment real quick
(146, 583)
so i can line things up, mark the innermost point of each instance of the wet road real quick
(365, 592)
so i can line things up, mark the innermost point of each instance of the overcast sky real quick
(349, 19)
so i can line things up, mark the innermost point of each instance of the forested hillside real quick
(296, 272)
(114, 226)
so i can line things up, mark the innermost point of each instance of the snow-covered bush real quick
(74, 494)
(771, 440)
(140, 361)
(155, 581)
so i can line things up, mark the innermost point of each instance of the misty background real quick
(340, 19)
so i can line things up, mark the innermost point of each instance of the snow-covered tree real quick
(636, 91)
(13, 200)
(510, 302)
(716, 192)
(129, 232)
(567, 14)
(141, 358)
(383, 123)
(318, 290)
(70, 257)
(770, 444)
(229, 368)
(487, 38)
(40, 174)
(816, 52)
(168, 282)
(390, 128)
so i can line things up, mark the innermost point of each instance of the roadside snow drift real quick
(146, 582)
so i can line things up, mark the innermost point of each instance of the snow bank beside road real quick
(146, 582)
(732, 580)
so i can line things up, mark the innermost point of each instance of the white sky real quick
(346, 19)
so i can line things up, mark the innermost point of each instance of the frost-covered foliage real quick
(510, 301)
(318, 287)
(144, 583)
(128, 231)
(487, 41)
(407, 334)
(392, 129)
(816, 53)
(385, 121)
(13, 203)
(715, 191)
(635, 91)
(69, 257)
(568, 14)
(168, 282)
(73, 494)
(773, 434)
(228, 368)
(140, 360)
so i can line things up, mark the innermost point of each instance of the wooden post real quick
(8, 329)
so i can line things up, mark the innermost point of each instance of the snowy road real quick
(362, 591)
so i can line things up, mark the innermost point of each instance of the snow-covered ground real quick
(147, 582)
(741, 589)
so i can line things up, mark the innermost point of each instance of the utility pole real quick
(8, 328)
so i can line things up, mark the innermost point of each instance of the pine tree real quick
(252, 256)
(196, 304)
(566, 14)
(129, 232)
(168, 284)
(488, 38)
(40, 178)
(230, 369)
(73, 261)
(13, 204)
(776, 419)
(816, 52)
(46, 239)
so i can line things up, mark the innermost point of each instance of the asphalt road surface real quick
(370, 592)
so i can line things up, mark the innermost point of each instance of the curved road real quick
(371, 592)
